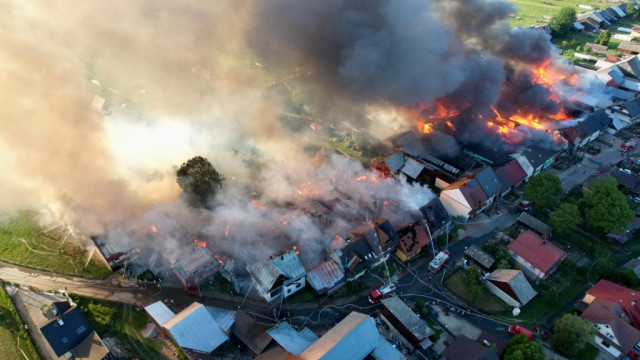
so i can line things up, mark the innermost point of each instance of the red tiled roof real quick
(515, 171)
(619, 294)
(541, 254)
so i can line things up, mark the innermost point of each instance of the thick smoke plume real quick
(186, 78)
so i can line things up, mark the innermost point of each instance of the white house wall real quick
(455, 203)
(502, 295)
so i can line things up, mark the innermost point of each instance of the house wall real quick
(294, 287)
(502, 295)
(455, 203)
(524, 163)
(529, 269)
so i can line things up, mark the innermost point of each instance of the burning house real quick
(588, 129)
(279, 277)
(195, 266)
(412, 239)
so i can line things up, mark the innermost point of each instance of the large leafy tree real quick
(571, 334)
(606, 207)
(199, 180)
(562, 22)
(520, 348)
(544, 191)
(565, 218)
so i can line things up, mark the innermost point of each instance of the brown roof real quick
(513, 171)
(91, 348)
(412, 239)
(250, 333)
(605, 289)
(471, 190)
(540, 253)
(608, 313)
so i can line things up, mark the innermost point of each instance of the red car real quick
(517, 330)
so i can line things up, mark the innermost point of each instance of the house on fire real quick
(412, 239)
(279, 277)
(327, 277)
(464, 198)
(436, 217)
(195, 266)
(588, 129)
(538, 257)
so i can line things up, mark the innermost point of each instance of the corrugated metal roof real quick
(266, 273)
(412, 168)
(355, 337)
(194, 328)
(517, 282)
(159, 312)
(223, 317)
(418, 327)
(395, 162)
(325, 276)
(385, 351)
(291, 340)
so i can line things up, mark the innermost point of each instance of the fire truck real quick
(438, 262)
(628, 146)
(382, 292)
(517, 330)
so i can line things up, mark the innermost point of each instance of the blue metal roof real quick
(291, 340)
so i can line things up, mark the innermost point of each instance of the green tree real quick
(586, 50)
(579, 48)
(565, 218)
(562, 22)
(571, 334)
(471, 279)
(520, 348)
(543, 191)
(565, 44)
(199, 180)
(604, 37)
(606, 208)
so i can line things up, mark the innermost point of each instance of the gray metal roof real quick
(395, 162)
(291, 340)
(223, 317)
(355, 337)
(517, 282)
(480, 256)
(193, 260)
(266, 273)
(535, 224)
(412, 168)
(194, 328)
(159, 312)
(385, 351)
(325, 276)
(418, 327)
(489, 181)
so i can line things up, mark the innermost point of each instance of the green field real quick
(121, 321)
(13, 344)
(487, 303)
(23, 242)
(532, 10)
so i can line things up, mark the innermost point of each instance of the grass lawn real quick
(123, 322)
(531, 10)
(486, 303)
(23, 242)
(10, 344)
(590, 352)
(303, 296)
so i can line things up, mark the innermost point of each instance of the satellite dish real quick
(516, 311)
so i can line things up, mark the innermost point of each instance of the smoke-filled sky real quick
(185, 78)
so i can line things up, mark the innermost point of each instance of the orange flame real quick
(296, 250)
(154, 229)
(197, 242)
(256, 204)
(427, 128)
